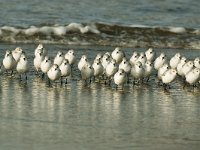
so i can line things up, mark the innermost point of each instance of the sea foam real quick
(104, 34)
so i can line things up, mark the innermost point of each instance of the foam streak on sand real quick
(104, 34)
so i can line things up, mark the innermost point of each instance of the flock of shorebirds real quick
(109, 67)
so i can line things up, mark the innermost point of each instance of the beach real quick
(96, 116)
(37, 115)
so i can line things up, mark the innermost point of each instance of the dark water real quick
(181, 13)
(75, 116)
(126, 23)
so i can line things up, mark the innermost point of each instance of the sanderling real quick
(98, 57)
(98, 68)
(197, 62)
(65, 68)
(39, 57)
(22, 66)
(187, 67)
(45, 65)
(54, 73)
(120, 78)
(117, 55)
(82, 62)
(142, 58)
(40, 48)
(175, 60)
(180, 66)
(59, 58)
(133, 59)
(193, 76)
(148, 69)
(70, 56)
(137, 72)
(105, 60)
(125, 65)
(162, 70)
(9, 62)
(160, 60)
(17, 53)
(150, 54)
(87, 72)
(168, 77)
(111, 69)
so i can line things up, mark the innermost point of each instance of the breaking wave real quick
(104, 34)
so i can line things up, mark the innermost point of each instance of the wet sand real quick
(74, 116)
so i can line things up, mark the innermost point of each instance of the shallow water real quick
(36, 116)
(126, 23)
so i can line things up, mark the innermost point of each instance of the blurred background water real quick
(183, 13)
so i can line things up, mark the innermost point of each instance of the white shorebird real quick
(65, 68)
(59, 58)
(70, 56)
(117, 55)
(148, 70)
(160, 60)
(175, 60)
(180, 66)
(150, 54)
(98, 57)
(162, 70)
(120, 78)
(142, 58)
(40, 48)
(137, 72)
(98, 68)
(82, 62)
(17, 53)
(193, 76)
(197, 62)
(45, 65)
(187, 67)
(108, 53)
(54, 73)
(39, 57)
(87, 72)
(133, 59)
(105, 60)
(125, 65)
(168, 77)
(22, 66)
(111, 69)
(9, 62)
